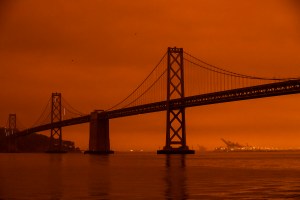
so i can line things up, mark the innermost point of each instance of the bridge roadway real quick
(259, 91)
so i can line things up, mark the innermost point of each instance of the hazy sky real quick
(96, 52)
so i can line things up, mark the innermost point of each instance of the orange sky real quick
(96, 52)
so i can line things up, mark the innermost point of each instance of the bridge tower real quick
(175, 133)
(12, 123)
(99, 134)
(55, 144)
(11, 133)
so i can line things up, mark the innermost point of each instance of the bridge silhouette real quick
(177, 82)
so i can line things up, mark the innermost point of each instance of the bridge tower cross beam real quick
(55, 144)
(175, 124)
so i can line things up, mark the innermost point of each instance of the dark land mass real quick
(33, 143)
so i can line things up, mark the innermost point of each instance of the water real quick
(150, 176)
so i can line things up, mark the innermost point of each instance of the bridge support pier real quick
(99, 134)
(175, 133)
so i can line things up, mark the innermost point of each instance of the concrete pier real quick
(99, 134)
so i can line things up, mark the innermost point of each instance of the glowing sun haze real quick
(96, 52)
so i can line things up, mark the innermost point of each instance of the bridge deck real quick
(259, 91)
(69, 122)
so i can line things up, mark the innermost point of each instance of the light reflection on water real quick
(150, 176)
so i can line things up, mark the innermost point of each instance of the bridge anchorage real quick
(175, 127)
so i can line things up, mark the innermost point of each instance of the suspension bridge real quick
(179, 81)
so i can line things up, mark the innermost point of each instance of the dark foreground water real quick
(150, 176)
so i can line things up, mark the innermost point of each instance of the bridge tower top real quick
(56, 113)
(12, 124)
(12, 121)
(175, 75)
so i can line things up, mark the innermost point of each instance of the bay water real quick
(146, 175)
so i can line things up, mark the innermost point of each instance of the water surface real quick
(248, 175)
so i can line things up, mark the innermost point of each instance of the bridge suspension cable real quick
(202, 77)
(20, 125)
(68, 112)
(152, 88)
(67, 108)
(45, 115)
(227, 72)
